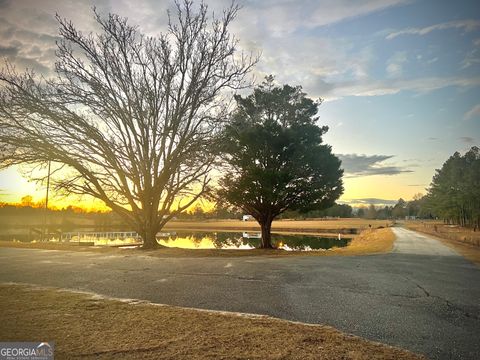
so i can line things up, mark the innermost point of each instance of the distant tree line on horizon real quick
(28, 207)
(70, 218)
(402, 209)
(453, 195)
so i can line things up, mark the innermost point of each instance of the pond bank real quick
(368, 242)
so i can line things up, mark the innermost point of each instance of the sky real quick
(400, 79)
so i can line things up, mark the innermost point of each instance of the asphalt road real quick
(422, 296)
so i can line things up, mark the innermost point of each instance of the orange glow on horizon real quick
(82, 206)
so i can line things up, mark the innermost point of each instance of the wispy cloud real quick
(395, 64)
(287, 16)
(467, 25)
(473, 56)
(370, 87)
(356, 165)
(472, 113)
(370, 201)
(376, 201)
(467, 139)
(8, 50)
(327, 67)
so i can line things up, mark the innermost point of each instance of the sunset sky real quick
(400, 78)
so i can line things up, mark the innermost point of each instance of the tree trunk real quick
(266, 242)
(149, 237)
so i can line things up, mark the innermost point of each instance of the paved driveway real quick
(410, 242)
(422, 296)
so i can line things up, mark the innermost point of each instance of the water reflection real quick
(247, 241)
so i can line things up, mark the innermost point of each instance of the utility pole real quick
(46, 203)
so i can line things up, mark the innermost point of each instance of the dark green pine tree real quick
(454, 193)
(275, 157)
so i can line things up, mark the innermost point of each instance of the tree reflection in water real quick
(247, 241)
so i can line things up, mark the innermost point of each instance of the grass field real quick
(297, 226)
(89, 327)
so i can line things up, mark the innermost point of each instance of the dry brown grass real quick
(92, 328)
(464, 241)
(370, 241)
(306, 226)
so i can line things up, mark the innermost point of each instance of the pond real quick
(247, 241)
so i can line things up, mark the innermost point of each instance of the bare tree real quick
(129, 118)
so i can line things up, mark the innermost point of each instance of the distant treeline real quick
(222, 211)
(401, 210)
(36, 213)
(337, 210)
(67, 218)
(71, 214)
(453, 195)
(228, 212)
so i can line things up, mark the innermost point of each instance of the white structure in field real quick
(251, 235)
(247, 217)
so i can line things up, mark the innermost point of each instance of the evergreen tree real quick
(454, 193)
(276, 158)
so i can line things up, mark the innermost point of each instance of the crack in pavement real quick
(232, 276)
(449, 304)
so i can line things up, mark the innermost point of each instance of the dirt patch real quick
(89, 327)
(370, 241)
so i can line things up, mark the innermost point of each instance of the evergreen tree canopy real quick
(454, 193)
